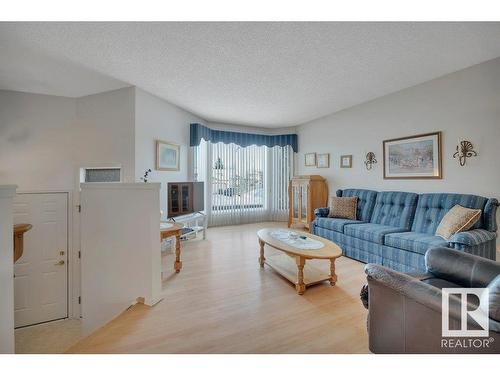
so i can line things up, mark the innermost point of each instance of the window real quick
(100, 175)
(244, 184)
(238, 177)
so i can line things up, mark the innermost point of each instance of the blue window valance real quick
(199, 132)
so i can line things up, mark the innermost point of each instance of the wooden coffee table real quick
(301, 275)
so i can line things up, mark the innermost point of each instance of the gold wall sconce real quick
(370, 160)
(465, 150)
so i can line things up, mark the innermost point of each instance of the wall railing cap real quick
(120, 185)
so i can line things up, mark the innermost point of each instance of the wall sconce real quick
(370, 160)
(465, 150)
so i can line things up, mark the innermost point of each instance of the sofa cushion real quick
(431, 209)
(334, 224)
(413, 241)
(343, 207)
(370, 232)
(366, 201)
(394, 208)
(321, 212)
(458, 219)
(403, 257)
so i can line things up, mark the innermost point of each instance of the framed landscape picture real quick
(323, 161)
(418, 156)
(310, 159)
(167, 156)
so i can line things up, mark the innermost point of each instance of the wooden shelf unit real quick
(305, 194)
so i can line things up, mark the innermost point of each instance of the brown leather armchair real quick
(405, 309)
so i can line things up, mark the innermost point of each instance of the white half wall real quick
(157, 119)
(464, 104)
(7, 193)
(121, 255)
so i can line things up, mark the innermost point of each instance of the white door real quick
(41, 274)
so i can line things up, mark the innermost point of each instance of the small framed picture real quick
(167, 156)
(346, 161)
(310, 159)
(323, 161)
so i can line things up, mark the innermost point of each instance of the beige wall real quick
(464, 104)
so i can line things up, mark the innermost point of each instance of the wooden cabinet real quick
(180, 198)
(305, 194)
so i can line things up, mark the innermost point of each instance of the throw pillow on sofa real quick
(458, 219)
(343, 207)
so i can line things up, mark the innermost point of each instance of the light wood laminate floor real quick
(223, 302)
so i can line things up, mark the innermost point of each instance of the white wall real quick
(121, 255)
(105, 130)
(45, 139)
(464, 104)
(36, 140)
(157, 119)
(6, 269)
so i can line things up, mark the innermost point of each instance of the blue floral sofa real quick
(396, 229)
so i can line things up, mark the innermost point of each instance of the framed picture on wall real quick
(323, 161)
(167, 156)
(310, 159)
(346, 161)
(417, 156)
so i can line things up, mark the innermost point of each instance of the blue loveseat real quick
(396, 229)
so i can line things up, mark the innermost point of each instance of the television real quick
(185, 198)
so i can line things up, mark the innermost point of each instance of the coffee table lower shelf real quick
(291, 261)
(285, 266)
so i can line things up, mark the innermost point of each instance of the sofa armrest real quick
(321, 212)
(490, 215)
(467, 270)
(412, 288)
(472, 237)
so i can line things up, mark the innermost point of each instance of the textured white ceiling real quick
(262, 74)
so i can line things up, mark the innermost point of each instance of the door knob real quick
(60, 263)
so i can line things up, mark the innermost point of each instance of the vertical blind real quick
(243, 184)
